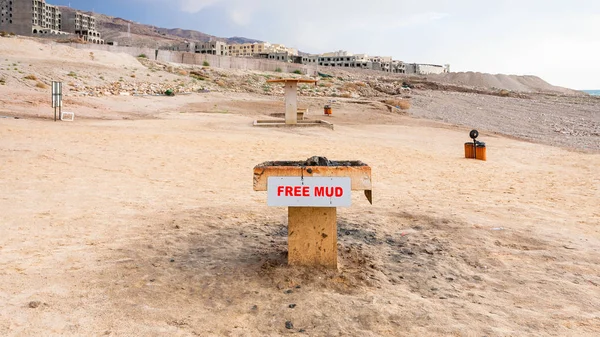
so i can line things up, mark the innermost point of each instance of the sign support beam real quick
(312, 236)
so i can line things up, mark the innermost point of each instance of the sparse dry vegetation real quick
(401, 104)
(504, 93)
(41, 85)
(31, 77)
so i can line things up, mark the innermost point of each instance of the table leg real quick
(291, 103)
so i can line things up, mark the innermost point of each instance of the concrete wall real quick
(426, 69)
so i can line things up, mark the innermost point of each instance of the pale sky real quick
(556, 40)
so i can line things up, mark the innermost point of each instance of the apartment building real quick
(279, 48)
(37, 18)
(310, 59)
(212, 48)
(82, 25)
(253, 49)
(343, 59)
(30, 17)
(281, 57)
(248, 49)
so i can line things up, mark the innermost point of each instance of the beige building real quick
(30, 17)
(279, 48)
(83, 25)
(253, 49)
(37, 18)
(344, 59)
(212, 48)
(248, 49)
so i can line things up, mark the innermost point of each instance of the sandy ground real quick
(139, 217)
(150, 227)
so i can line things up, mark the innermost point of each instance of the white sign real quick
(309, 191)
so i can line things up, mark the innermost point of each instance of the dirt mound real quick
(499, 81)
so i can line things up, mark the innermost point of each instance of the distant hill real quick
(193, 35)
(526, 83)
(142, 35)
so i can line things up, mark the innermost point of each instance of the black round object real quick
(474, 134)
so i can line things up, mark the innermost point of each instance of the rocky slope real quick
(142, 35)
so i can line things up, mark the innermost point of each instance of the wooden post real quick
(291, 102)
(312, 236)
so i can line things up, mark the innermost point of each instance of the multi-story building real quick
(281, 57)
(83, 25)
(344, 59)
(248, 49)
(36, 17)
(213, 48)
(310, 59)
(398, 67)
(30, 17)
(253, 49)
(279, 48)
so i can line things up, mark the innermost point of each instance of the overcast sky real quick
(556, 40)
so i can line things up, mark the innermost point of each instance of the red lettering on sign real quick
(279, 190)
(288, 191)
(319, 191)
(298, 191)
(305, 191)
(329, 191)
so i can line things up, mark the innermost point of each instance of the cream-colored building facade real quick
(252, 49)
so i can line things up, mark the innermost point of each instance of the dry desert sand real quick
(139, 219)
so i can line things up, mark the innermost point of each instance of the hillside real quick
(527, 83)
(142, 35)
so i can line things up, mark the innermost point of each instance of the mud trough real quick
(312, 190)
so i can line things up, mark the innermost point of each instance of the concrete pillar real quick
(312, 236)
(291, 102)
